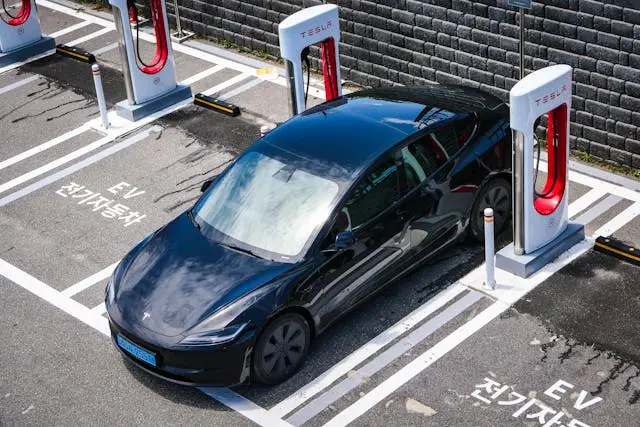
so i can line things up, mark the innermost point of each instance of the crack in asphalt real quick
(567, 354)
(48, 110)
(46, 91)
(182, 203)
(46, 83)
(548, 346)
(594, 357)
(207, 172)
(614, 373)
(627, 383)
(86, 105)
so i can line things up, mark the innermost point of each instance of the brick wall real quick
(475, 43)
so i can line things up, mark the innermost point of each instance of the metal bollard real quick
(489, 250)
(100, 94)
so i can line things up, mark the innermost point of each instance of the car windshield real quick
(264, 205)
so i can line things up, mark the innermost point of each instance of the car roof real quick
(352, 131)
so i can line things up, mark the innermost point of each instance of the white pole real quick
(489, 250)
(100, 94)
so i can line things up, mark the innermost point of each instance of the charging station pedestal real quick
(20, 36)
(541, 228)
(150, 87)
(310, 26)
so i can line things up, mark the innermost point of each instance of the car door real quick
(432, 210)
(345, 277)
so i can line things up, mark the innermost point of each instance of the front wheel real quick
(281, 348)
(496, 195)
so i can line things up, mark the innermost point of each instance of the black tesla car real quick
(311, 220)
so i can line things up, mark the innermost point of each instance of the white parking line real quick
(90, 281)
(201, 75)
(619, 221)
(360, 376)
(44, 146)
(91, 36)
(78, 166)
(54, 297)
(245, 87)
(233, 80)
(70, 29)
(584, 201)
(366, 351)
(416, 366)
(99, 309)
(597, 210)
(245, 407)
(18, 84)
(105, 49)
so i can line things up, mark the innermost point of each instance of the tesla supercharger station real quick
(541, 228)
(20, 36)
(151, 86)
(310, 26)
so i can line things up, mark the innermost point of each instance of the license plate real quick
(136, 351)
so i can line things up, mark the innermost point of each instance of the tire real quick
(281, 349)
(496, 195)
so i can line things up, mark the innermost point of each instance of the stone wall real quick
(474, 43)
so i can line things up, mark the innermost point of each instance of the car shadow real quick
(176, 393)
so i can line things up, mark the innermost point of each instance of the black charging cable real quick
(131, 4)
(305, 58)
(4, 8)
(555, 163)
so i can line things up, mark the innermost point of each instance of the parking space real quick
(75, 199)
(392, 377)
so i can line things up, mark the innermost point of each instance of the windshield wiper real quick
(236, 248)
(193, 220)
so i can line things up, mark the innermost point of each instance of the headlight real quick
(220, 327)
(220, 336)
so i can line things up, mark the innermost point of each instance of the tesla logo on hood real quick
(145, 315)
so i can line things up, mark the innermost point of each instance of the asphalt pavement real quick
(416, 354)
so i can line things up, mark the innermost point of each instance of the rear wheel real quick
(281, 348)
(496, 195)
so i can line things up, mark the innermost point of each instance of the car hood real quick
(179, 277)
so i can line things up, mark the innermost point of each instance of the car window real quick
(424, 156)
(267, 205)
(375, 193)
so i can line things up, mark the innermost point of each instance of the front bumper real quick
(194, 366)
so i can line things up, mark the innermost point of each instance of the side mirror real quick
(344, 240)
(207, 184)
